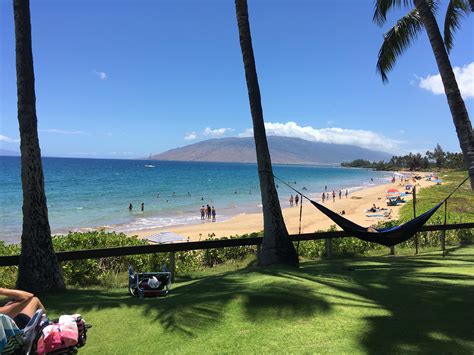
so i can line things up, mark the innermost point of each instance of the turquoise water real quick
(84, 193)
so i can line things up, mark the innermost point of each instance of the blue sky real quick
(124, 79)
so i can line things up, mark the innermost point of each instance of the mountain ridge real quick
(283, 150)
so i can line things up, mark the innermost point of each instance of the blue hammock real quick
(384, 236)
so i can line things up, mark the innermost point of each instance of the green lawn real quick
(460, 205)
(368, 305)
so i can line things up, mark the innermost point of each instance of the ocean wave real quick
(155, 222)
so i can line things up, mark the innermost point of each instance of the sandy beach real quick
(354, 206)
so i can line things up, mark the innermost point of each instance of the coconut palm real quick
(276, 246)
(39, 269)
(399, 37)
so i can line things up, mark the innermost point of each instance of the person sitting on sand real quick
(21, 306)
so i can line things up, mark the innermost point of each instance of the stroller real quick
(149, 284)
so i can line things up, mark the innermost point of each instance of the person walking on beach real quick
(291, 201)
(297, 199)
(130, 207)
(347, 193)
(333, 196)
(213, 211)
(340, 194)
(323, 197)
(143, 206)
(203, 211)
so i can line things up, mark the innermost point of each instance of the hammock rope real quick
(384, 236)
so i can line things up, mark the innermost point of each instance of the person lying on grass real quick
(21, 306)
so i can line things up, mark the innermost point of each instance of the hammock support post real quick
(392, 250)
(414, 216)
(443, 233)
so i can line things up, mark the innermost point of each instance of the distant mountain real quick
(9, 153)
(283, 150)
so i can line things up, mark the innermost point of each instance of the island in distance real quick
(283, 150)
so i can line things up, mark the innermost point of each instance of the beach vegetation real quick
(39, 269)
(436, 160)
(399, 37)
(276, 245)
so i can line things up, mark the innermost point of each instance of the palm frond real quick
(396, 40)
(382, 7)
(457, 10)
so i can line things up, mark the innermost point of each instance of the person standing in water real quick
(323, 197)
(333, 196)
(297, 199)
(340, 194)
(347, 193)
(291, 201)
(213, 211)
(143, 206)
(130, 207)
(203, 211)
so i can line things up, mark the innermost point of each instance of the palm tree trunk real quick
(276, 246)
(39, 269)
(456, 103)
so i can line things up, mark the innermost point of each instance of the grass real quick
(460, 205)
(371, 305)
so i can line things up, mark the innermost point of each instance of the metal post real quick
(392, 250)
(172, 265)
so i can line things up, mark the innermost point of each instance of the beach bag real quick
(60, 336)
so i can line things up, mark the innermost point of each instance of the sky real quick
(126, 79)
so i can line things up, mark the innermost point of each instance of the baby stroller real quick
(148, 284)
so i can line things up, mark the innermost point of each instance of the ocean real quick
(91, 193)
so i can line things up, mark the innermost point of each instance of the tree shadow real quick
(426, 310)
(195, 305)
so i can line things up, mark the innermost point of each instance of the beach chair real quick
(148, 284)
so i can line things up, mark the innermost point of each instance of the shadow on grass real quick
(197, 304)
(427, 311)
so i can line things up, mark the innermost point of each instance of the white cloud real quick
(464, 77)
(219, 132)
(361, 138)
(190, 136)
(8, 139)
(61, 131)
(100, 74)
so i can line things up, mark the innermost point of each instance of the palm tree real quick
(39, 269)
(399, 37)
(276, 247)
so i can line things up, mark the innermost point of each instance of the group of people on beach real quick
(325, 195)
(208, 212)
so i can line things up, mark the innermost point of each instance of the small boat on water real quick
(149, 166)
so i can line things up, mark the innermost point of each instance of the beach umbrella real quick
(392, 191)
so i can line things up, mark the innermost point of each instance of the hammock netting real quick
(386, 236)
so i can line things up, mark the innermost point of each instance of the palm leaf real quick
(396, 40)
(457, 9)
(382, 7)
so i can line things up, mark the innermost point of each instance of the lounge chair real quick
(148, 284)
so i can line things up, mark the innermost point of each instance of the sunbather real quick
(21, 305)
